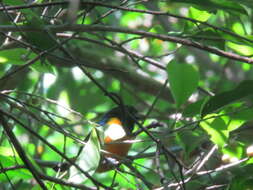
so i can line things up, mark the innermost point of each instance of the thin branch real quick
(201, 163)
(99, 28)
(158, 13)
(3, 170)
(21, 152)
(222, 168)
(48, 178)
(53, 148)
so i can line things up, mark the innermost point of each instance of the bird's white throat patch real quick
(115, 131)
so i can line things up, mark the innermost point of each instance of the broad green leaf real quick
(242, 49)
(132, 19)
(247, 3)
(12, 156)
(199, 14)
(238, 28)
(43, 39)
(193, 109)
(250, 161)
(8, 161)
(188, 136)
(88, 159)
(245, 114)
(236, 119)
(18, 56)
(218, 101)
(234, 40)
(217, 129)
(209, 37)
(13, 2)
(214, 5)
(242, 182)
(44, 67)
(7, 151)
(234, 150)
(183, 79)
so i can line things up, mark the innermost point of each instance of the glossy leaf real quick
(217, 129)
(183, 79)
(218, 101)
(198, 14)
(246, 50)
(88, 159)
(10, 161)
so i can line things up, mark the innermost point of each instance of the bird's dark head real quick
(127, 115)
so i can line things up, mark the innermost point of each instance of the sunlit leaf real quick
(238, 118)
(183, 79)
(9, 161)
(44, 67)
(217, 129)
(17, 56)
(234, 150)
(242, 49)
(198, 14)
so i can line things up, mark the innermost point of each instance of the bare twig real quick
(53, 148)
(98, 28)
(21, 152)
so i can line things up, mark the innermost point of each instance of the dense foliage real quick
(184, 64)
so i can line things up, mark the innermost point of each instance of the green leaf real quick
(247, 3)
(209, 37)
(43, 39)
(7, 151)
(188, 136)
(217, 129)
(246, 50)
(237, 119)
(44, 67)
(13, 2)
(246, 115)
(214, 5)
(242, 182)
(88, 159)
(9, 161)
(234, 150)
(216, 102)
(193, 109)
(198, 14)
(17, 56)
(183, 79)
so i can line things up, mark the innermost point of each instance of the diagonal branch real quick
(21, 152)
(100, 28)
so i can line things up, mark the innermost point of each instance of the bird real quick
(118, 124)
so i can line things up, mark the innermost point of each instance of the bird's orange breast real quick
(117, 149)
